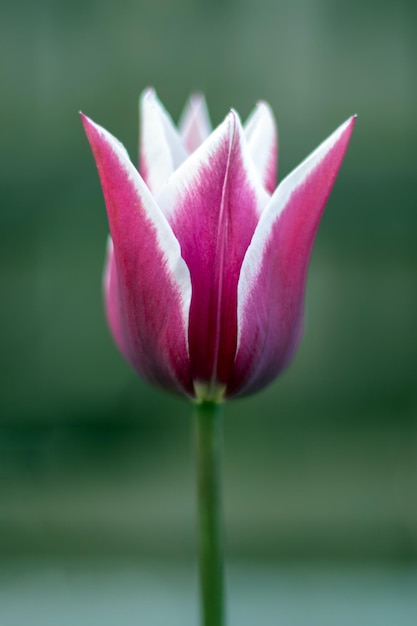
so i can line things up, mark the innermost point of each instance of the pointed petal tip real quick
(233, 121)
(148, 96)
(198, 103)
(346, 127)
(149, 92)
(267, 114)
(231, 126)
(86, 121)
(197, 98)
(350, 122)
(83, 118)
(233, 114)
(194, 124)
(228, 127)
(263, 104)
(90, 126)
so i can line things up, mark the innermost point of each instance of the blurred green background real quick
(94, 464)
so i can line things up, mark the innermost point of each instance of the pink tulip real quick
(207, 261)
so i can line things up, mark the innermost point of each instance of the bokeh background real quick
(97, 514)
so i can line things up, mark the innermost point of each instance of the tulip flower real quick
(207, 261)
(206, 269)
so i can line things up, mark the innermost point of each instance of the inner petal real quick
(213, 202)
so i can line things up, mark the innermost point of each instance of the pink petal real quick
(148, 284)
(272, 283)
(213, 202)
(112, 301)
(161, 147)
(261, 136)
(194, 125)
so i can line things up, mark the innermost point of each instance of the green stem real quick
(208, 420)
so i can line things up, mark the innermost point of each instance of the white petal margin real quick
(262, 139)
(194, 125)
(161, 147)
(261, 243)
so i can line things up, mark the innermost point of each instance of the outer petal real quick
(261, 135)
(149, 288)
(194, 125)
(213, 202)
(161, 147)
(272, 283)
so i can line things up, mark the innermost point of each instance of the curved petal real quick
(261, 136)
(161, 147)
(272, 283)
(194, 125)
(149, 280)
(213, 202)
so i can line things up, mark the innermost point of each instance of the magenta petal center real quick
(214, 221)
